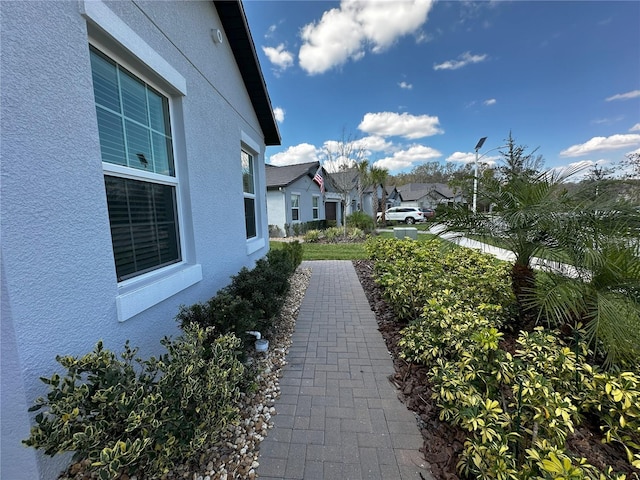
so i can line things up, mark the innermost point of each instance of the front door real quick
(330, 210)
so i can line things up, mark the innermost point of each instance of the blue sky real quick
(417, 81)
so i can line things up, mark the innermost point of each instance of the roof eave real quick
(236, 28)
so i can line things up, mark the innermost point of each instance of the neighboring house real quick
(133, 182)
(345, 184)
(428, 195)
(393, 197)
(294, 197)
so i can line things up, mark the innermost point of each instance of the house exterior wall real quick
(60, 294)
(277, 208)
(279, 203)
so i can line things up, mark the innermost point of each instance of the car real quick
(428, 212)
(409, 215)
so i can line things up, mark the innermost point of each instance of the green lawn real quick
(339, 251)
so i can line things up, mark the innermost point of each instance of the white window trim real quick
(144, 291)
(316, 209)
(251, 146)
(298, 207)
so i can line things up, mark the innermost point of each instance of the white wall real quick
(59, 286)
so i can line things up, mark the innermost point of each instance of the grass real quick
(339, 251)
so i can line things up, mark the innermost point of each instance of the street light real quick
(475, 174)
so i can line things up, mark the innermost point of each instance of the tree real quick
(631, 165)
(379, 176)
(362, 169)
(340, 160)
(517, 163)
(535, 215)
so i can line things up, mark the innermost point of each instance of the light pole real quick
(475, 172)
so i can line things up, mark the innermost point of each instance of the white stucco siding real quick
(277, 209)
(59, 286)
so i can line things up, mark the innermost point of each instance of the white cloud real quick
(635, 128)
(270, 31)
(279, 56)
(344, 33)
(462, 61)
(489, 102)
(470, 157)
(373, 143)
(279, 114)
(596, 144)
(405, 85)
(624, 96)
(388, 124)
(407, 158)
(301, 153)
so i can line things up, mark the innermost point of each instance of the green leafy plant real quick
(362, 221)
(131, 415)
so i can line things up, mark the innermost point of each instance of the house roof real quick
(236, 28)
(286, 175)
(415, 191)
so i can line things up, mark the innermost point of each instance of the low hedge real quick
(519, 405)
(132, 415)
(128, 415)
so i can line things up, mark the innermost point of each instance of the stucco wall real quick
(59, 285)
(276, 208)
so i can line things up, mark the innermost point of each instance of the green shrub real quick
(226, 313)
(362, 221)
(132, 415)
(313, 236)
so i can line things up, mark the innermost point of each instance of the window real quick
(295, 207)
(249, 189)
(316, 210)
(140, 178)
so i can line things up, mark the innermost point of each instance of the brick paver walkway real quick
(339, 417)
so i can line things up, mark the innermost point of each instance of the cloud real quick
(407, 158)
(279, 114)
(405, 85)
(470, 157)
(279, 56)
(489, 102)
(270, 31)
(576, 171)
(345, 33)
(635, 128)
(463, 60)
(596, 144)
(409, 126)
(301, 153)
(624, 96)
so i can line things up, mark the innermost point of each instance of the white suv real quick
(408, 215)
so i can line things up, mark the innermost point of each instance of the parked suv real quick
(408, 215)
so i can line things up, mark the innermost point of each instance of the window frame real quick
(315, 207)
(251, 146)
(296, 208)
(132, 173)
(250, 195)
(115, 39)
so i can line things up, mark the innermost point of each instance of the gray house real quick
(295, 197)
(133, 181)
(428, 195)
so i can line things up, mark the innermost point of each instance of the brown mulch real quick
(443, 442)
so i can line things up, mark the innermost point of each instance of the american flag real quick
(318, 179)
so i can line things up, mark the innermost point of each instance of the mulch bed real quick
(443, 442)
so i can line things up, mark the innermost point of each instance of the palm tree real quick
(378, 176)
(601, 239)
(362, 168)
(525, 210)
